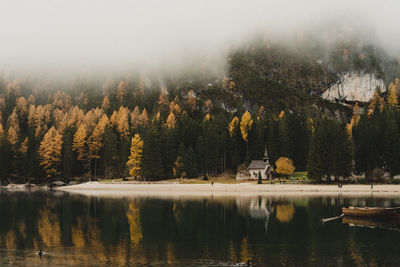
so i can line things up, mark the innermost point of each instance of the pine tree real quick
(135, 159)
(95, 141)
(189, 162)
(79, 145)
(256, 140)
(299, 136)
(179, 164)
(67, 153)
(367, 144)
(152, 161)
(3, 154)
(342, 157)
(391, 142)
(110, 152)
(330, 152)
(23, 155)
(50, 152)
(235, 141)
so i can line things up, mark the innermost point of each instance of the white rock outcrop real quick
(354, 87)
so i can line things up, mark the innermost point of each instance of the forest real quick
(152, 134)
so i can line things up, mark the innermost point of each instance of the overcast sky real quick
(169, 32)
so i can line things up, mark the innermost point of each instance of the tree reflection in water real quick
(91, 231)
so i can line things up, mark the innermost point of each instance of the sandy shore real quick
(243, 189)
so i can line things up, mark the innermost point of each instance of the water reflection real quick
(270, 230)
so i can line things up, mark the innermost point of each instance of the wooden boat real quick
(391, 223)
(371, 212)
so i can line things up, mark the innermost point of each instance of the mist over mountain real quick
(176, 35)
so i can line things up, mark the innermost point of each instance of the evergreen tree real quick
(235, 142)
(190, 163)
(67, 153)
(256, 140)
(391, 144)
(179, 164)
(342, 157)
(79, 145)
(330, 152)
(110, 152)
(152, 160)
(3, 154)
(299, 136)
(367, 144)
(95, 141)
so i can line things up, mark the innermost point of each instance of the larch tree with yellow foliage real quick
(392, 98)
(234, 134)
(245, 127)
(122, 91)
(144, 118)
(171, 121)
(50, 152)
(192, 101)
(375, 103)
(284, 166)
(95, 141)
(79, 145)
(135, 158)
(233, 125)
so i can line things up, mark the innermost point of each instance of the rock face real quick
(354, 87)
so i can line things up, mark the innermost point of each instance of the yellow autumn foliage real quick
(245, 125)
(232, 125)
(392, 98)
(50, 152)
(135, 157)
(135, 227)
(284, 213)
(284, 166)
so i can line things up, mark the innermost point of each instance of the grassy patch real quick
(111, 180)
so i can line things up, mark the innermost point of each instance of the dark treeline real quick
(52, 134)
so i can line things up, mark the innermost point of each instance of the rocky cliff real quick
(353, 86)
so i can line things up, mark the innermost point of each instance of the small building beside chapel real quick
(257, 167)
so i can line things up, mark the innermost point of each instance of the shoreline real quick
(242, 189)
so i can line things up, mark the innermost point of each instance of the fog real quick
(172, 34)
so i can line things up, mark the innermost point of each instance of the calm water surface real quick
(221, 231)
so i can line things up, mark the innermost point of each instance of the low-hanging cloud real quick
(168, 33)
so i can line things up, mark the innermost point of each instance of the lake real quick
(190, 231)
